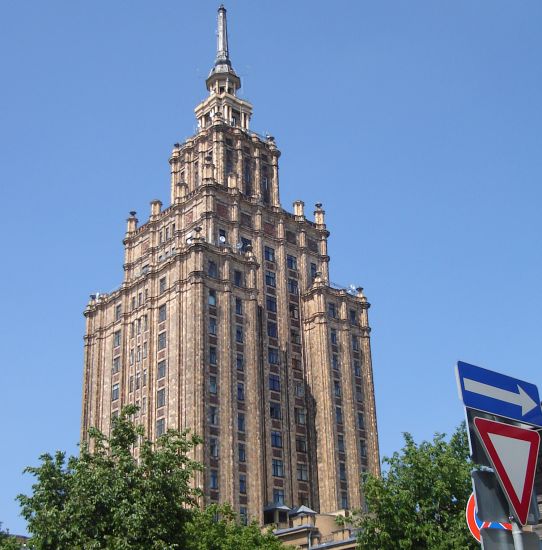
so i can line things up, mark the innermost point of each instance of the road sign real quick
(475, 523)
(498, 394)
(513, 452)
(504, 540)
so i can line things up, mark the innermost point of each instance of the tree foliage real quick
(419, 502)
(105, 498)
(8, 542)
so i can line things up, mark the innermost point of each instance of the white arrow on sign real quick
(521, 398)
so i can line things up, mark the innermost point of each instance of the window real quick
(274, 410)
(342, 471)
(313, 270)
(162, 313)
(357, 368)
(213, 447)
(278, 497)
(302, 472)
(160, 427)
(145, 322)
(212, 355)
(361, 421)
(274, 382)
(116, 339)
(138, 324)
(291, 237)
(133, 303)
(160, 398)
(273, 356)
(353, 316)
(145, 348)
(333, 335)
(132, 356)
(240, 391)
(243, 484)
(355, 343)
(301, 445)
(337, 388)
(238, 306)
(162, 285)
(222, 236)
(340, 443)
(212, 269)
(213, 415)
(291, 262)
(294, 311)
(359, 394)
(239, 334)
(243, 515)
(241, 422)
(115, 392)
(118, 312)
(132, 329)
(338, 415)
(271, 303)
(240, 362)
(276, 439)
(238, 278)
(344, 500)
(278, 468)
(335, 361)
(242, 453)
(138, 380)
(161, 369)
(363, 448)
(212, 325)
(162, 340)
(212, 384)
(295, 336)
(116, 365)
(139, 298)
(299, 389)
(138, 354)
(212, 298)
(269, 253)
(313, 245)
(270, 278)
(300, 416)
(144, 377)
(213, 479)
(332, 310)
(272, 331)
(292, 286)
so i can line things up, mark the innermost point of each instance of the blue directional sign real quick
(498, 394)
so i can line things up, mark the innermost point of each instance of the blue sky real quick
(417, 124)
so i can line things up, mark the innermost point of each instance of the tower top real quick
(222, 77)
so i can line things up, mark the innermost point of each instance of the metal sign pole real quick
(517, 534)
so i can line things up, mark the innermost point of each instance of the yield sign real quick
(513, 453)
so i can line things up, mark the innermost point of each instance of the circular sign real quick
(475, 524)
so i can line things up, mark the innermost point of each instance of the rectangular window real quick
(269, 253)
(337, 388)
(295, 336)
(213, 447)
(116, 365)
(241, 422)
(118, 312)
(161, 369)
(271, 303)
(355, 343)
(270, 278)
(291, 262)
(313, 270)
(361, 421)
(300, 416)
(242, 453)
(340, 443)
(160, 398)
(138, 380)
(238, 278)
(243, 515)
(212, 298)
(133, 303)
(274, 382)
(273, 356)
(274, 410)
(160, 427)
(145, 322)
(291, 237)
(357, 368)
(335, 361)
(145, 348)
(212, 355)
(294, 311)
(240, 362)
(139, 298)
(359, 394)
(332, 310)
(240, 391)
(353, 316)
(245, 244)
(278, 468)
(344, 501)
(239, 334)
(276, 439)
(292, 286)
(162, 285)
(299, 389)
(333, 335)
(162, 313)
(213, 415)
(116, 339)
(213, 480)
(131, 384)
(338, 415)
(238, 306)
(301, 445)
(212, 384)
(243, 484)
(212, 325)
(278, 497)
(132, 356)
(115, 392)
(302, 472)
(363, 448)
(162, 340)
(342, 471)
(212, 269)
(272, 331)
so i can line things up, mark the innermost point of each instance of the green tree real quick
(7, 542)
(419, 502)
(217, 528)
(104, 498)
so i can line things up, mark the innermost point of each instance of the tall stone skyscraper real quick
(226, 324)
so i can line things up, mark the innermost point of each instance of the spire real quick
(222, 77)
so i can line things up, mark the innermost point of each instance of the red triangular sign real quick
(513, 453)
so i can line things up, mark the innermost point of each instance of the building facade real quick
(226, 324)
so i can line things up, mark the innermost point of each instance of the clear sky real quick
(417, 124)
